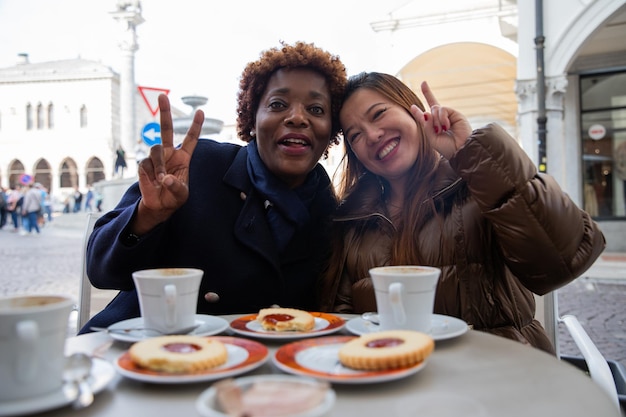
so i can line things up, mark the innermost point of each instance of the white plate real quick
(206, 404)
(443, 327)
(243, 355)
(319, 358)
(207, 326)
(102, 373)
(325, 324)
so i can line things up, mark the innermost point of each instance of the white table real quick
(476, 374)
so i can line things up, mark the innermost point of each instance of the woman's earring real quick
(252, 133)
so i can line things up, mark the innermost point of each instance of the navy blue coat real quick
(221, 229)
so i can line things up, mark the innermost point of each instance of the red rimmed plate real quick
(243, 355)
(319, 358)
(324, 324)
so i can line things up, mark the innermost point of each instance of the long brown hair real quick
(418, 207)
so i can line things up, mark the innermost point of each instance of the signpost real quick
(151, 133)
(151, 97)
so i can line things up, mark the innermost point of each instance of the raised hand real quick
(164, 174)
(445, 128)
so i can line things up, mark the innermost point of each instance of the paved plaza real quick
(51, 263)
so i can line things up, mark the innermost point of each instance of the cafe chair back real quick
(597, 365)
(84, 298)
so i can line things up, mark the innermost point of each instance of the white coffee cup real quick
(405, 296)
(168, 297)
(33, 329)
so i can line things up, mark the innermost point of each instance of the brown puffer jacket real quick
(505, 232)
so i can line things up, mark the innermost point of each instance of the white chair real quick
(597, 365)
(84, 299)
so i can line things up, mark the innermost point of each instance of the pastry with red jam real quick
(285, 319)
(386, 350)
(179, 354)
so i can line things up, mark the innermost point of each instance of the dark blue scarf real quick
(287, 209)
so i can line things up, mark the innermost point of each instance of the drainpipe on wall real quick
(550, 301)
(541, 86)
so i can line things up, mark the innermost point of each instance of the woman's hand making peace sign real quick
(164, 174)
(445, 128)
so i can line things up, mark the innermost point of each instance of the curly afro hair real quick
(257, 74)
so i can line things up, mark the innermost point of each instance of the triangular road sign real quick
(151, 97)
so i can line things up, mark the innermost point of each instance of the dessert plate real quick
(102, 372)
(318, 358)
(324, 324)
(207, 403)
(243, 355)
(207, 326)
(443, 327)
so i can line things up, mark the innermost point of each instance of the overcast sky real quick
(190, 46)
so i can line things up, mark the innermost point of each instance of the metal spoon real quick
(146, 330)
(77, 370)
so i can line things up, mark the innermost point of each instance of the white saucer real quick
(102, 373)
(443, 327)
(207, 326)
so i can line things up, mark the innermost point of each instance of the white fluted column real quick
(128, 14)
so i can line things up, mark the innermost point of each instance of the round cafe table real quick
(475, 374)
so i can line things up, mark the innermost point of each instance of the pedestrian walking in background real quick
(78, 199)
(120, 162)
(3, 207)
(89, 200)
(31, 208)
(14, 206)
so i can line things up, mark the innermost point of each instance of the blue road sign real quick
(151, 133)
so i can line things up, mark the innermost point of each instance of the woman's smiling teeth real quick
(294, 141)
(388, 148)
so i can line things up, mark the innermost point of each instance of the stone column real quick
(128, 14)
(557, 144)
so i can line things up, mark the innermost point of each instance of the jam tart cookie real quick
(285, 319)
(385, 350)
(179, 354)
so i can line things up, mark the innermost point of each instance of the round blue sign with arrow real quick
(151, 133)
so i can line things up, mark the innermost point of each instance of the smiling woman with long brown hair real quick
(420, 187)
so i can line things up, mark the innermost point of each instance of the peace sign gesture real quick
(164, 174)
(445, 128)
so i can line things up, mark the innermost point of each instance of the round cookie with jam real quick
(179, 354)
(386, 350)
(285, 319)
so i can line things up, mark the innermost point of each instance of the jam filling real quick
(382, 343)
(181, 347)
(275, 318)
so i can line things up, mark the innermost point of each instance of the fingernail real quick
(436, 129)
(425, 117)
(445, 129)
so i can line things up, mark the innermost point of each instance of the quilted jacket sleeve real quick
(546, 239)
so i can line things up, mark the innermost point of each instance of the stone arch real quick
(43, 173)
(475, 78)
(16, 168)
(566, 48)
(94, 171)
(68, 174)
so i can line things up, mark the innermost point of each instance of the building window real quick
(603, 133)
(43, 174)
(16, 169)
(50, 116)
(95, 171)
(40, 121)
(69, 174)
(29, 117)
(83, 116)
